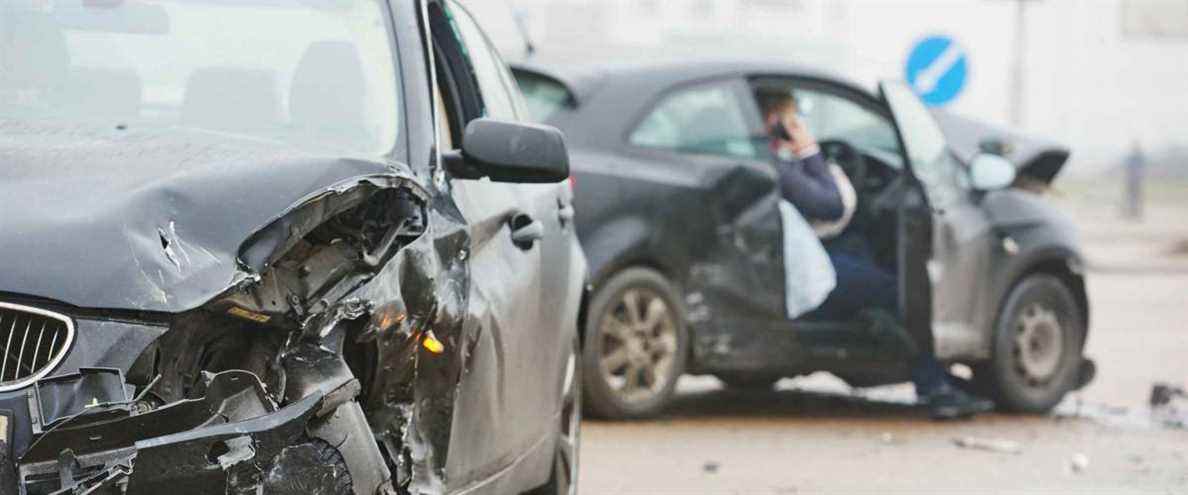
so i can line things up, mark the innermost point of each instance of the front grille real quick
(34, 342)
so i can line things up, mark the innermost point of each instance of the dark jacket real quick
(808, 184)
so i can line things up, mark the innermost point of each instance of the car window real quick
(831, 116)
(706, 119)
(544, 96)
(927, 149)
(295, 73)
(495, 82)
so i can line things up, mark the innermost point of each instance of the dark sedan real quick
(276, 248)
(677, 209)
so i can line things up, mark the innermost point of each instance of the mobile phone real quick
(779, 131)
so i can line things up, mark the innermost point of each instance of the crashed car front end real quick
(218, 274)
(282, 357)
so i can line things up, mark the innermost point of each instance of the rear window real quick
(545, 96)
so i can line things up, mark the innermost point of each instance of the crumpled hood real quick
(146, 220)
(1038, 158)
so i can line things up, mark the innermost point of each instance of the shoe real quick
(948, 403)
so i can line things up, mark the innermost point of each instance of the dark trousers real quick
(863, 285)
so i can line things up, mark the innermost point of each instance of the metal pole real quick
(1019, 65)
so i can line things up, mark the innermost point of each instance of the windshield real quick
(315, 74)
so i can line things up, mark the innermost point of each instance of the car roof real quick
(624, 86)
(585, 78)
(609, 96)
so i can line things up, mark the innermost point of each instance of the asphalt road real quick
(815, 435)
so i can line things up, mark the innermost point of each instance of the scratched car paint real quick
(252, 314)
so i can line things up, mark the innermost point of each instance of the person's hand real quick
(803, 142)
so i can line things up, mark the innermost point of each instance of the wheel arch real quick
(1061, 262)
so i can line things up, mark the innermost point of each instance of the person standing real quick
(1136, 168)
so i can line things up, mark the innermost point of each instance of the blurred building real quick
(1098, 74)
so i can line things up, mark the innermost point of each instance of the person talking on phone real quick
(825, 197)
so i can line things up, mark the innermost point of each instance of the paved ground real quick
(814, 435)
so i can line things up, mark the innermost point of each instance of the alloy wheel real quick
(639, 345)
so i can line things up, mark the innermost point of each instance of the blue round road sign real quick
(937, 70)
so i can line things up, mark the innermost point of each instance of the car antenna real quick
(522, 26)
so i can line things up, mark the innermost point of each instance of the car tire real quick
(635, 346)
(1037, 348)
(563, 476)
(750, 382)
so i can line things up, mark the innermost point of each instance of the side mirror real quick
(510, 152)
(991, 172)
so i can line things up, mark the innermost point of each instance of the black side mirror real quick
(510, 152)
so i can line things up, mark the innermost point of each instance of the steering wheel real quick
(851, 161)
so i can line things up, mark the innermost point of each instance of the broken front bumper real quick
(195, 446)
(85, 430)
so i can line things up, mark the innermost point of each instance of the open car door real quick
(915, 214)
(945, 238)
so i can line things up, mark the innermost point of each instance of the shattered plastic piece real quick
(1079, 463)
(989, 445)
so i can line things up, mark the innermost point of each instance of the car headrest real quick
(232, 99)
(34, 54)
(329, 89)
(120, 90)
(709, 128)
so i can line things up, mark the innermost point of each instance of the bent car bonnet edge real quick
(157, 219)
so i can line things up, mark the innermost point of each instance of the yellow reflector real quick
(431, 344)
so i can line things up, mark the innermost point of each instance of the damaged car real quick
(678, 212)
(279, 248)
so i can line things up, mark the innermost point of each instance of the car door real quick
(950, 228)
(506, 395)
(704, 133)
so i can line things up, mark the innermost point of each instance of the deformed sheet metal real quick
(162, 214)
(175, 238)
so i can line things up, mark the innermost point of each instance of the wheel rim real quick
(571, 419)
(638, 345)
(1038, 344)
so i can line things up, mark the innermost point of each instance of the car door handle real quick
(525, 231)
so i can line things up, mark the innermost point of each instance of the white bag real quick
(808, 273)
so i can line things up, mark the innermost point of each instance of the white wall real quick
(1086, 83)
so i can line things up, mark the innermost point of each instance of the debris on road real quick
(1169, 405)
(1163, 394)
(1079, 463)
(710, 467)
(989, 445)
